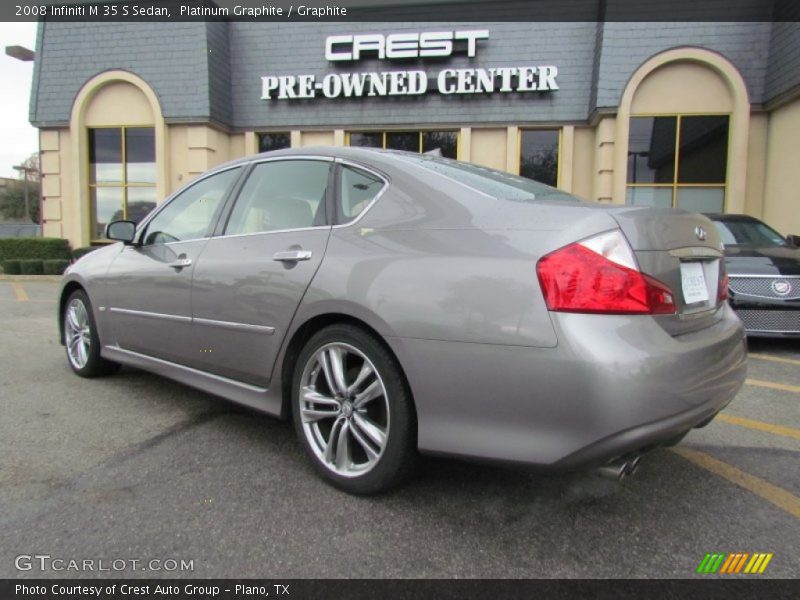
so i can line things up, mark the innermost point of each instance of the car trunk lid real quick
(684, 251)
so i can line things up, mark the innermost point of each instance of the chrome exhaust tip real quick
(633, 465)
(620, 468)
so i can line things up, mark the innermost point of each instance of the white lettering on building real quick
(408, 45)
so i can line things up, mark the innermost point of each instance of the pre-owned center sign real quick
(408, 46)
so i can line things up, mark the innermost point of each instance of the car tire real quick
(357, 422)
(81, 340)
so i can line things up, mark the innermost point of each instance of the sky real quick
(18, 139)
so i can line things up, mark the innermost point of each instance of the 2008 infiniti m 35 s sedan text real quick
(392, 303)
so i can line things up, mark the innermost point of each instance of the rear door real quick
(250, 279)
(148, 286)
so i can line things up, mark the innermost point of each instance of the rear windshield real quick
(748, 233)
(489, 181)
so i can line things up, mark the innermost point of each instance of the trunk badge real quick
(781, 287)
(700, 233)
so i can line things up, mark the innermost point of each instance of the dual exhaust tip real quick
(620, 468)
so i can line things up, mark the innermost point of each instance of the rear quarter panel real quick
(455, 285)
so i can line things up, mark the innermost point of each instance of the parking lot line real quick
(760, 425)
(771, 493)
(772, 385)
(19, 291)
(780, 359)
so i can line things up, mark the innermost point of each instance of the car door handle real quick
(292, 255)
(180, 263)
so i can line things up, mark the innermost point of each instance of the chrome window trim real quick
(265, 329)
(271, 231)
(381, 176)
(320, 157)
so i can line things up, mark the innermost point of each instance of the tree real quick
(12, 201)
(23, 192)
(32, 165)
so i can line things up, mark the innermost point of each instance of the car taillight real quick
(600, 275)
(722, 292)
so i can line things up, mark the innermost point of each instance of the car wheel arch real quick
(305, 332)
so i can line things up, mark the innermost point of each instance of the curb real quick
(55, 278)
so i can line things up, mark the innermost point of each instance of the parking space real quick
(137, 467)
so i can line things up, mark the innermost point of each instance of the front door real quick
(250, 280)
(148, 286)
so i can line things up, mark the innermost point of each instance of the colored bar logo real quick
(734, 563)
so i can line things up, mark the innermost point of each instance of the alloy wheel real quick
(77, 331)
(344, 408)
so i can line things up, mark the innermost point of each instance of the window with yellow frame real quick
(678, 160)
(539, 154)
(122, 175)
(411, 141)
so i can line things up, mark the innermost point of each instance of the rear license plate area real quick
(693, 283)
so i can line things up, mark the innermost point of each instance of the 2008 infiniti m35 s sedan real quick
(393, 303)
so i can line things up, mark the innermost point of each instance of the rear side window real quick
(357, 188)
(278, 195)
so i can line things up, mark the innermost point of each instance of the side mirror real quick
(121, 231)
(794, 240)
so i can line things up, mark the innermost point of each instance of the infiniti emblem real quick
(781, 287)
(700, 233)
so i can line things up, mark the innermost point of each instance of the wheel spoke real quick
(82, 352)
(74, 342)
(311, 415)
(374, 390)
(325, 363)
(362, 441)
(81, 316)
(72, 318)
(370, 429)
(364, 374)
(333, 439)
(343, 459)
(312, 396)
(336, 358)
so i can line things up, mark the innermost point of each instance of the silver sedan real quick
(392, 304)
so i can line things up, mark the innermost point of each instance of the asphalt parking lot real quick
(135, 467)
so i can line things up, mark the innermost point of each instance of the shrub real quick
(11, 266)
(78, 252)
(31, 266)
(55, 266)
(39, 248)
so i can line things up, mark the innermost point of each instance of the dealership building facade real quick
(699, 115)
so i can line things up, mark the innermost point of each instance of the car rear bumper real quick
(613, 385)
